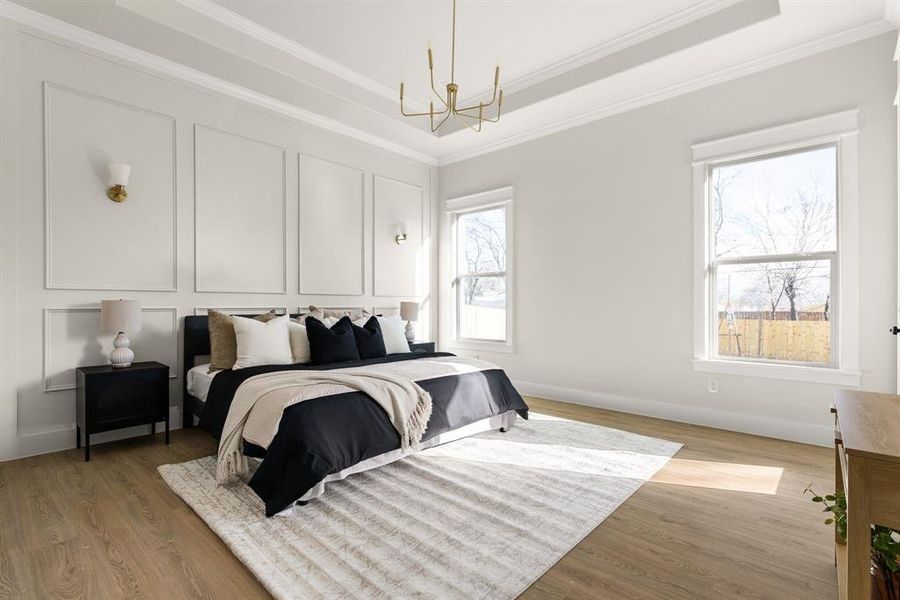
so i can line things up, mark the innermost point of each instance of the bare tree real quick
(721, 180)
(485, 251)
(803, 226)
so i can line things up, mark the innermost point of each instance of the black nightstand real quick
(108, 398)
(421, 346)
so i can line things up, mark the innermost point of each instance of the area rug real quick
(482, 517)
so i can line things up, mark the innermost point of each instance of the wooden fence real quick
(805, 341)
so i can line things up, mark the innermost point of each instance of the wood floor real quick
(726, 519)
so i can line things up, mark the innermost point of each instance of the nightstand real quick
(421, 346)
(108, 398)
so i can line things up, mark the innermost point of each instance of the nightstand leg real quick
(152, 428)
(77, 437)
(87, 447)
(167, 430)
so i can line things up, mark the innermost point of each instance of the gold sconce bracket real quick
(117, 193)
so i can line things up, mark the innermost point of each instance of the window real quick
(481, 277)
(771, 290)
(774, 250)
(481, 231)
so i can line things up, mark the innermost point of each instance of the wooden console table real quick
(867, 468)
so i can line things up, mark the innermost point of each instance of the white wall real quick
(224, 200)
(604, 246)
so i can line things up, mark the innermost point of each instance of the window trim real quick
(840, 130)
(454, 208)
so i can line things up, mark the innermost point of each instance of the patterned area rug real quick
(481, 517)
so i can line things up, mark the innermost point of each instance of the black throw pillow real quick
(369, 339)
(337, 344)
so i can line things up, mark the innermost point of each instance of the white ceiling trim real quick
(642, 34)
(837, 40)
(276, 40)
(130, 54)
(229, 18)
(118, 50)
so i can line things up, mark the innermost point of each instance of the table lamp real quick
(119, 316)
(409, 312)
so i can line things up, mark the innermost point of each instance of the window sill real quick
(475, 346)
(823, 375)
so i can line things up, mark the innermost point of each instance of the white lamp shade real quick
(119, 173)
(409, 311)
(120, 315)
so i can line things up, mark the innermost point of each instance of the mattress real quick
(198, 381)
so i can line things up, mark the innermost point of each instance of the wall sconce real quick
(119, 174)
(401, 233)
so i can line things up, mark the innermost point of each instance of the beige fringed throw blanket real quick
(408, 406)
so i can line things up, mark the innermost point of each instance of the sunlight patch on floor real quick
(736, 477)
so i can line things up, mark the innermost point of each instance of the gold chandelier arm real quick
(462, 120)
(421, 114)
(442, 121)
(499, 109)
(493, 97)
(431, 76)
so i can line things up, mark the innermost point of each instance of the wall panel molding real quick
(232, 259)
(49, 90)
(387, 212)
(327, 250)
(238, 310)
(54, 385)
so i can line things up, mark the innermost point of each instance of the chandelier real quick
(470, 116)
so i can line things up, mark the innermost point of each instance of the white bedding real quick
(198, 381)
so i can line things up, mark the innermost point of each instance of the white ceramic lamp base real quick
(410, 331)
(122, 356)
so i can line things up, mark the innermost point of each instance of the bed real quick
(331, 437)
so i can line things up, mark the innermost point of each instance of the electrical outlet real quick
(713, 386)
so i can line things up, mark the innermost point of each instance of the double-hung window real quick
(481, 228)
(776, 284)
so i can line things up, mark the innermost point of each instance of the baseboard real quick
(63, 438)
(793, 431)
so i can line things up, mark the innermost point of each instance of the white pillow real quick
(261, 343)
(392, 331)
(299, 342)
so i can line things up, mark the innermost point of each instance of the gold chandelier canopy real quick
(471, 116)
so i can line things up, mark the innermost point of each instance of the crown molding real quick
(280, 42)
(642, 34)
(118, 50)
(146, 60)
(756, 65)
(231, 19)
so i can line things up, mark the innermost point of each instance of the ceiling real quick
(387, 41)
(338, 64)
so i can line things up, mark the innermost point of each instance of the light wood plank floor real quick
(725, 519)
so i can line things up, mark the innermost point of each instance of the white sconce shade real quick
(409, 311)
(119, 173)
(120, 315)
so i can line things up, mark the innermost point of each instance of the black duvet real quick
(321, 436)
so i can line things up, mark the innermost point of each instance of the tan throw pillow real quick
(222, 340)
(355, 314)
